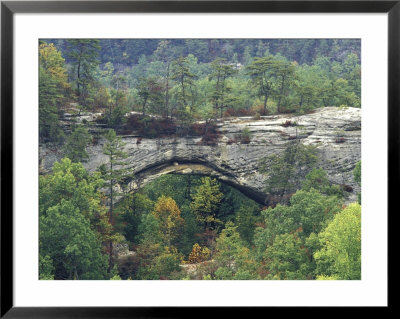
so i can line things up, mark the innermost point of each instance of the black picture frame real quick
(9, 8)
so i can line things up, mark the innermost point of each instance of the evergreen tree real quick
(284, 72)
(206, 202)
(114, 175)
(221, 71)
(83, 55)
(75, 147)
(182, 74)
(262, 72)
(286, 170)
(164, 53)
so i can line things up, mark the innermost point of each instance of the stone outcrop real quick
(336, 133)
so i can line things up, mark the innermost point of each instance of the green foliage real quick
(182, 74)
(318, 179)
(116, 119)
(83, 56)
(179, 187)
(283, 71)
(163, 265)
(307, 86)
(116, 277)
(148, 230)
(287, 258)
(132, 208)
(114, 149)
(221, 71)
(115, 174)
(70, 205)
(232, 256)
(52, 90)
(246, 219)
(286, 170)
(323, 277)
(169, 219)
(76, 143)
(308, 212)
(182, 81)
(70, 181)
(151, 93)
(188, 77)
(190, 233)
(206, 202)
(46, 269)
(340, 255)
(245, 136)
(67, 238)
(262, 72)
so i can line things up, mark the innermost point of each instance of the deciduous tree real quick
(169, 219)
(340, 255)
(52, 90)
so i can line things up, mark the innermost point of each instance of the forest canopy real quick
(93, 226)
(185, 80)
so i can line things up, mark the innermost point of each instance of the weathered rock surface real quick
(336, 132)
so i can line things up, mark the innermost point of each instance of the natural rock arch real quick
(336, 133)
(150, 174)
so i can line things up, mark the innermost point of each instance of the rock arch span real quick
(150, 174)
(336, 133)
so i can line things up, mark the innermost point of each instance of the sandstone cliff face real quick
(335, 132)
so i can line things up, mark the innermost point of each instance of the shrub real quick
(208, 131)
(288, 123)
(287, 110)
(347, 188)
(149, 127)
(238, 112)
(245, 136)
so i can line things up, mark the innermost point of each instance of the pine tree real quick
(114, 175)
(182, 74)
(83, 55)
(221, 72)
(75, 147)
(206, 202)
(261, 72)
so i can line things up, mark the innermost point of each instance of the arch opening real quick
(184, 167)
